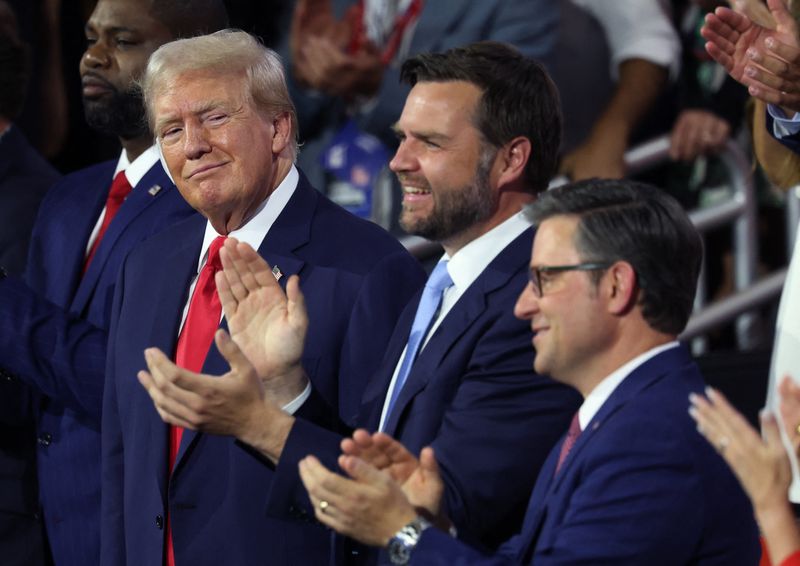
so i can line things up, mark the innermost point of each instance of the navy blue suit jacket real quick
(53, 337)
(640, 486)
(472, 395)
(356, 279)
(25, 177)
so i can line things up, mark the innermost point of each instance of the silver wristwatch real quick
(404, 541)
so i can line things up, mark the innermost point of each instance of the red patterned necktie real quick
(572, 436)
(194, 343)
(120, 189)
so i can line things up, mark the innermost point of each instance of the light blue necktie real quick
(426, 311)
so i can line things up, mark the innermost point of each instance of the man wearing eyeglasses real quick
(613, 275)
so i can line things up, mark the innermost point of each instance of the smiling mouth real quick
(204, 169)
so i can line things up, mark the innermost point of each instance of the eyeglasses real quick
(535, 273)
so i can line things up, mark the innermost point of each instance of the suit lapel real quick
(462, 315)
(290, 231)
(172, 277)
(139, 199)
(547, 484)
(64, 288)
(537, 510)
(378, 387)
(641, 378)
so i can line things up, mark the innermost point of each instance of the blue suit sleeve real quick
(56, 353)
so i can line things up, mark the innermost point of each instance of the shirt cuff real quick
(292, 406)
(782, 125)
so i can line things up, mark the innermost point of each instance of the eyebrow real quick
(201, 108)
(89, 27)
(422, 135)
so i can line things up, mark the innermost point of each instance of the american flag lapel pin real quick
(154, 190)
(277, 273)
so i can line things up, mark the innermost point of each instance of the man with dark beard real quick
(478, 137)
(53, 324)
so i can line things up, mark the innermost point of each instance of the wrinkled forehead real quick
(196, 90)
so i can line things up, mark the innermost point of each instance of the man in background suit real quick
(478, 139)
(53, 324)
(24, 178)
(613, 274)
(221, 113)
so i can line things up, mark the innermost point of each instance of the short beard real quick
(457, 211)
(119, 114)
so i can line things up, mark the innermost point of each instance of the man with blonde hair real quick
(226, 128)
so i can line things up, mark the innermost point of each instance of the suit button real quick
(159, 522)
(6, 375)
(45, 439)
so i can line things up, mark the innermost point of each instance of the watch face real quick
(399, 552)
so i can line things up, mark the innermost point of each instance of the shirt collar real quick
(600, 394)
(136, 169)
(255, 230)
(469, 262)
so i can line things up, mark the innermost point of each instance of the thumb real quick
(232, 353)
(428, 464)
(297, 302)
(360, 470)
(780, 12)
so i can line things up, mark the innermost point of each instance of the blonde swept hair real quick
(227, 52)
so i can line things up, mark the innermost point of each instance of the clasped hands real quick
(765, 56)
(264, 348)
(386, 489)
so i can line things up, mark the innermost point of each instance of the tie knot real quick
(213, 261)
(120, 187)
(439, 279)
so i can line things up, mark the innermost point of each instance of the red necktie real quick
(120, 189)
(194, 342)
(572, 436)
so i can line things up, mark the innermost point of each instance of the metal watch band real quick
(404, 541)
